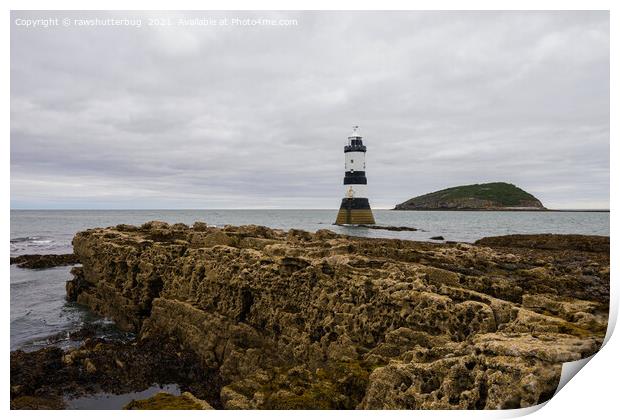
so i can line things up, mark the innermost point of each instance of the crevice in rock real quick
(247, 300)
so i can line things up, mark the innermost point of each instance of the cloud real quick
(255, 117)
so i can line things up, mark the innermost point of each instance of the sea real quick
(40, 315)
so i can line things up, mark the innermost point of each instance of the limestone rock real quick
(320, 320)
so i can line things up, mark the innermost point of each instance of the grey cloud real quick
(256, 117)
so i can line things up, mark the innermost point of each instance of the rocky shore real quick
(252, 317)
(40, 261)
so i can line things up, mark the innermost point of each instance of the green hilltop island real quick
(490, 196)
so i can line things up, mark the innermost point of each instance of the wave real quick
(35, 240)
(28, 239)
(33, 244)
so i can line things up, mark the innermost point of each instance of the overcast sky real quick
(255, 117)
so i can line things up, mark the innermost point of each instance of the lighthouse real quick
(355, 209)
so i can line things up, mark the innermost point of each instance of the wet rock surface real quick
(252, 317)
(549, 241)
(391, 228)
(43, 379)
(165, 401)
(39, 261)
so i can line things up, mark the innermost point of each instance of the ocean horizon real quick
(51, 231)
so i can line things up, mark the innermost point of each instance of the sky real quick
(215, 114)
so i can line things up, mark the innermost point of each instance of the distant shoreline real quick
(334, 209)
(524, 210)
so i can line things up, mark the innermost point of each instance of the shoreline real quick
(252, 309)
(307, 209)
(511, 210)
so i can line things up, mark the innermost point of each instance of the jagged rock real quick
(77, 285)
(319, 320)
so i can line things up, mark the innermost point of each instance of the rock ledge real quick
(292, 319)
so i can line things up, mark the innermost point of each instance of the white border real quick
(591, 395)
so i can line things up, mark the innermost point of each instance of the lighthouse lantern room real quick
(355, 209)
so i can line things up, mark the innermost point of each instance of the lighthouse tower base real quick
(355, 211)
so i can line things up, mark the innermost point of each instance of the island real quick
(489, 196)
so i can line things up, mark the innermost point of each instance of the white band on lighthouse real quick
(354, 161)
(355, 191)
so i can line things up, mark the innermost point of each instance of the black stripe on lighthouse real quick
(355, 177)
(355, 204)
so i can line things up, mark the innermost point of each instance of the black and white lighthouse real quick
(355, 209)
